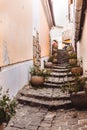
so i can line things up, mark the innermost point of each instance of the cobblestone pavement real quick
(36, 118)
(29, 117)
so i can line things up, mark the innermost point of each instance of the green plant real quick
(39, 72)
(72, 55)
(79, 85)
(7, 107)
(50, 59)
(70, 48)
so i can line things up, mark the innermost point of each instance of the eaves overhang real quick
(48, 9)
(84, 11)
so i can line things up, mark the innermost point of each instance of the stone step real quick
(53, 85)
(57, 80)
(62, 57)
(59, 67)
(58, 84)
(60, 74)
(59, 70)
(44, 93)
(56, 104)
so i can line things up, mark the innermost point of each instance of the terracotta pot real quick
(37, 80)
(48, 64)
(55, 60)
(72, 61)
(2, 127)
(70, 52)
(55, 55)
(79, 99)
(77, 70)
(54, 51)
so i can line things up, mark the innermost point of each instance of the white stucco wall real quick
(82, 47)
(56, 34)
(36, 14)
(15, 75)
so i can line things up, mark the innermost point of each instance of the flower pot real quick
(55, 61)
(79, 99)
(70, 52)
(54, 50)
(55, 55)
(55, 46)
(77, 70)
(2, 126)
(72, 61)
(48, 64)
(37, 80)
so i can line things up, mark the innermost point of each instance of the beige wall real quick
(44, 33)
(16, 26)
(82, 47)
(15, 31)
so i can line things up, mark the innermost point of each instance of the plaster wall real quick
(56, 34)
(17, 20)
(82, 47)
(15, 31)
(15, 77)
(44, 33)
(36, 15)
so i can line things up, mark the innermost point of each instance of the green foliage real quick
(39, 72)
(70, 48)
(7, 107)
(72, 55)
(79, 85)
(50, 59)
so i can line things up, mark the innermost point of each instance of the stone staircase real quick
(49, 95)
(62, 56)
(58, 77)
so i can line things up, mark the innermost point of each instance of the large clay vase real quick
(72, 61)
(55, 61)
(37, 80)
(77, 70)
(54, 50)
(79, 99)
(2, 126)
(48, 64)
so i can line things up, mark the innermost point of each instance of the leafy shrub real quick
(7, 107)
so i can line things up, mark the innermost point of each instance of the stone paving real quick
(46, 97)
(37, 118)
(43, 92)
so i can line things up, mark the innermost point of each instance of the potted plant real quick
(72, 59)
(7, 108)
(38, 76)
(48, 63)
(77, 70)
(77, 92)
(70, 48)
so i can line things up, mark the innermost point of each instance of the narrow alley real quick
(47, 107)
(43, 65)
(37, 118)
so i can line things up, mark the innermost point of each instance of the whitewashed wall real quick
(82, 47)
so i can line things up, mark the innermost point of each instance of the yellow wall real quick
(15, 31)
(44, 33)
